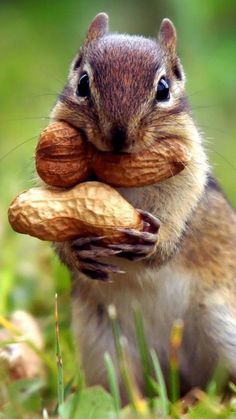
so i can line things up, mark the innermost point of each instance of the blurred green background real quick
(38, 41)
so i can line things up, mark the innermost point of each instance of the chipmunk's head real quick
(125, 92)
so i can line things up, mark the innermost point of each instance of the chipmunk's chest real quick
(168, 295)
(163, 295)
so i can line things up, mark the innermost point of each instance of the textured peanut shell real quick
(62, 156)
(64, 159)
(91, 208)
(164, 160)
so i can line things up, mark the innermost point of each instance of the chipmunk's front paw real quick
(144, 242)
(87, 251)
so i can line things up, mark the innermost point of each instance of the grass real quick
(71, 399)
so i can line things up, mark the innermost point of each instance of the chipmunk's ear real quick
(167, 37)
(97, 28)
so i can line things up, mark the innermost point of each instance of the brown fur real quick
(210, 241)
(193, 272)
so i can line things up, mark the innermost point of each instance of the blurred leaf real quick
(92, 403)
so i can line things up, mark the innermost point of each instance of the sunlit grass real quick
(71, 400)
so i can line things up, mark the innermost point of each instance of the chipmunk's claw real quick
(96, 252)
(140, 245)
(86, 254)
(144, 242)
(152, 221)
(98, 270)
(133, 251)
(142, 236)
(83, 241)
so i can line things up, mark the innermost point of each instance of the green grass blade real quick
(60, 386)
(161, 382)
(125, 364)
(174, 384)
(115, 330)
(144, 352)
(113, 382)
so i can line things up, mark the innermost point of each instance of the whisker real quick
(17, 147)
(221, 131)
(206, 106)
(191, 173)
(46, 94)
(206, 140)
(50, 75)
(157, 120)
(197, 92)
(225, 159)
(26, 118)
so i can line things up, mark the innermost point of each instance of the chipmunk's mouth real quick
(64, 159)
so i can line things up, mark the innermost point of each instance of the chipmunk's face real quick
(125, 92)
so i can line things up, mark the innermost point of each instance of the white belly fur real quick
(163, 296)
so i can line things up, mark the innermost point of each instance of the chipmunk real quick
(123, 94)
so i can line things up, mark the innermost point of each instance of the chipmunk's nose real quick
(118, 138)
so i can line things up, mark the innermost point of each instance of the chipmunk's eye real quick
(163, 91)
(83, 86)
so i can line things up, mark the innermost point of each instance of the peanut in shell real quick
(159, 163)
(64, 158)
(88, 209)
